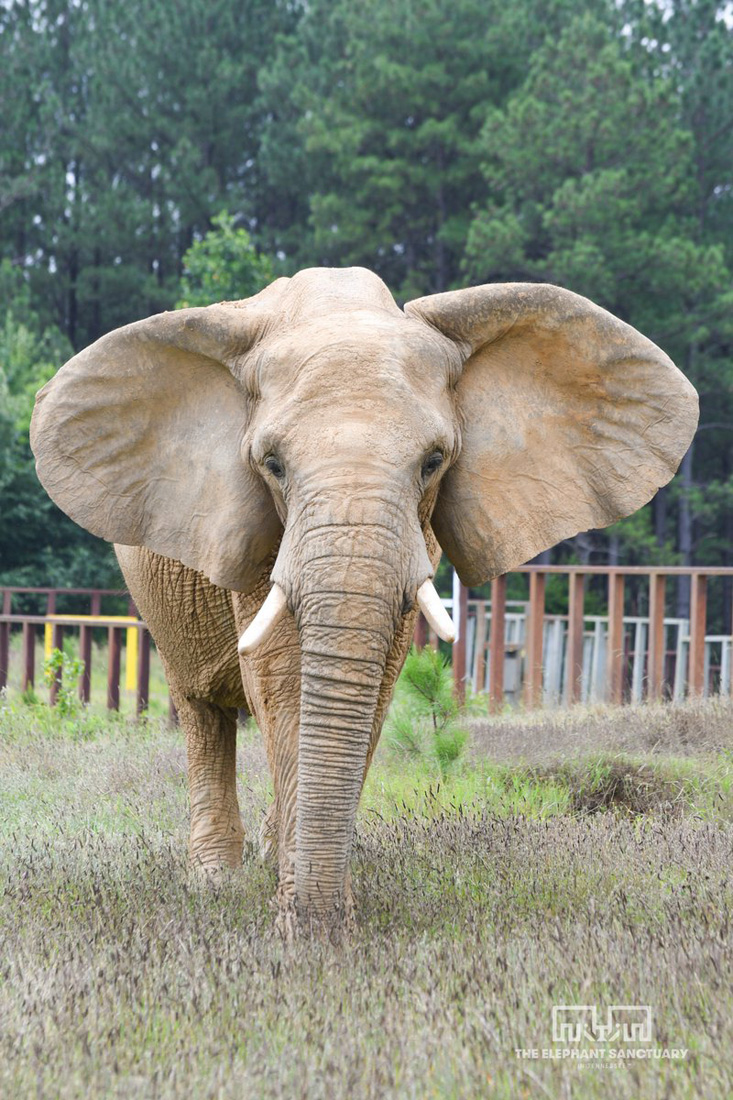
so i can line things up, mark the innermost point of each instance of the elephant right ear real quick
(139, 439)
(570, 420)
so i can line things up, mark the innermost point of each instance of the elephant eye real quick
(275, 466)
(432, 463)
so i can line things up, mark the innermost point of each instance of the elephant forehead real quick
(344, 434)
(356, 352)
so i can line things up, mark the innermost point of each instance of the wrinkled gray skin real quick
(510, 415)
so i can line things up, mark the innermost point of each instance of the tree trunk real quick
(613, 549)
(660, 516)
(684, 533)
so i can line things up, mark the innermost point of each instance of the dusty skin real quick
(314, 437)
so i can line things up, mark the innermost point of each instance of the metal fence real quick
(511, 649)
(55, 626)
(517, 652)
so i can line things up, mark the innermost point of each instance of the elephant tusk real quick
(432, 608)
(264, 621)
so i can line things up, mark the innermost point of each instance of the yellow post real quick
(131, 669)
(132, 642)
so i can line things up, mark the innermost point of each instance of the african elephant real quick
(288, 467)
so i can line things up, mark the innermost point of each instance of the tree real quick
(224, 266)
(590, 173)
(438, 143)
(128, 126)
(372, 113)
(383, 122)
(691, 43)
(38, 543)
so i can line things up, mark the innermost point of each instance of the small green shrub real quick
(426, 720)
(29, 697)
(224, 266)
(70, 669)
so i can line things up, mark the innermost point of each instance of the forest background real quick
(171, 152)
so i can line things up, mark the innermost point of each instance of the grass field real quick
(566, 858)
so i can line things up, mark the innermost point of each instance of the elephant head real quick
(319, 416)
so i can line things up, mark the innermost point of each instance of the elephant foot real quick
(333, 925)
(216, 844)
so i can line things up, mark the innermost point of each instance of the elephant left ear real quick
(571, 420)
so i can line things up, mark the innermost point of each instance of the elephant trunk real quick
(338, 702)
(349, 604)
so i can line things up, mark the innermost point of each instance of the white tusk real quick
(432, 608)
(264, 621)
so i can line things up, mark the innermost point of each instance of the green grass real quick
(552, 864)
(158, 693)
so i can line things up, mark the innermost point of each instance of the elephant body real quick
(287, 469)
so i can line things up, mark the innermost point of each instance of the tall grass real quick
(486, 895)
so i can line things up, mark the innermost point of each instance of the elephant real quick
(280, 475)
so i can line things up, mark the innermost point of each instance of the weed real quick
(65, 670)
(426, 718)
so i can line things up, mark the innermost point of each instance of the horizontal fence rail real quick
(515, 651)
(121, 631)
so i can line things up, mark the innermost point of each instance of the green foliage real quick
(223, 266)
(594, 181)
(28, 358)
(29, 697)
(438, 143)
(385, 123)
(67, 671)
(425, 719)
(126, 127)
(38, 543)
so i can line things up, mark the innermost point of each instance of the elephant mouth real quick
(275, 604)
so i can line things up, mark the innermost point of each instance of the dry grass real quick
(686, 729)
(123, 976)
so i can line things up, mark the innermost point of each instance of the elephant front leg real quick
(217, 835)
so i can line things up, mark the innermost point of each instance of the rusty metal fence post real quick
(5, 642)
(29, 656)
(143, 671)
(655, 660)
(496, 642)
(420, 634)
(534, 640)
(85, 651)
(576, 598)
